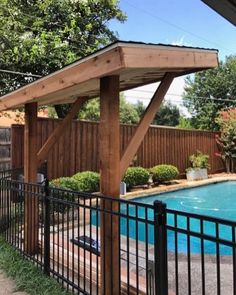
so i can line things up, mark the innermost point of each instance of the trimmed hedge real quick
(164, 173)
(65, 183)
(136, 176)
(87, 181)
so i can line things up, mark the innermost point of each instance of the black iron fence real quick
(152, 250)
(69, 238)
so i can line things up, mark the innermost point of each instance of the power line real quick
(175, 26)
(188, 97)
(175, 94)
(28, 15)
(20, 73)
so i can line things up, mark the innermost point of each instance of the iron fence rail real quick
(69, 235)
(161, 251)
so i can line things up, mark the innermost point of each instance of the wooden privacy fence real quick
(77, 149)
(5, 148)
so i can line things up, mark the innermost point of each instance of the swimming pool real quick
(215, 200)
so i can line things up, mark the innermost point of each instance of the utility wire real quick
(176, 95)
(175, 26)
(20, 73)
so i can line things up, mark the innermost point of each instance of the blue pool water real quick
(216, 200)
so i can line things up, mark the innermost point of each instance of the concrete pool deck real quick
(178, 185)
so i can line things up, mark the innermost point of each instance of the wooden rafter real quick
(135, 63)
(60, 130)
(146, 120)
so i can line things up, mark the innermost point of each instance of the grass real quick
(27, 276)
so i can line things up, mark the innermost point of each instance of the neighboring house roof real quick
(136, 64)
(226, 8)
(7, 118)
(230, 113)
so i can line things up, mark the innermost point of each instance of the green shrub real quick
(65, 183)
(87, 181)
(163, 173)
(199, 160)
(136, 176)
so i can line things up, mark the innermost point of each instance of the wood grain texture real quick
(109, 158)
(145, 122)
(169, 145)
(30, 176)
(136, 64)
(59, 131)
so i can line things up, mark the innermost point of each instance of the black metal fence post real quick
(46, 229)
(160, 249)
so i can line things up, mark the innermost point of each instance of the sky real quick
(176, 22)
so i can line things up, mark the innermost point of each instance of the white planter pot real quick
(197, 174)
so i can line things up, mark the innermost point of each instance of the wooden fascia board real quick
(171, 58)
(105, 64)
(60, 130)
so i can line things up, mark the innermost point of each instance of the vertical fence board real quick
(77, 150)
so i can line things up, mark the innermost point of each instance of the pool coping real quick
(180, 185)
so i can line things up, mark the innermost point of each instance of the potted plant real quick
(199, 165)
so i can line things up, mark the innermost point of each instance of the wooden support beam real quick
(109, 151)
(30, 174)
(60, 130)
(146, 120)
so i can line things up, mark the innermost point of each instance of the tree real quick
(208, 92)
(185, 123)
(140, 108)
(167, 115)
(41, 37)
(91, 111)
(128, 113)
(227, 140)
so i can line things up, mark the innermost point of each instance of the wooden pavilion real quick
(119, 66)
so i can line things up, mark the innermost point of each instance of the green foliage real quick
(185, 123)
(90, 111)
(87, 181)
(219, 83)
(41, 37)
(136, 176)
(140, 108)
(65, 183)
(164, 173)
(28, 278)
(227, 141)
(168, 115)
(128, 113)
(199, 160)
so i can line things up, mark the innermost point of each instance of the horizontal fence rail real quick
(201, 254)
(77, 149)
(160, 251)
(69, 235)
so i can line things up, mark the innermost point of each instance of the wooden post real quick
(109, 151)
(30, 174)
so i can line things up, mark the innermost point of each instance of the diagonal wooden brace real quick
(144, 123)
(60, 130)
